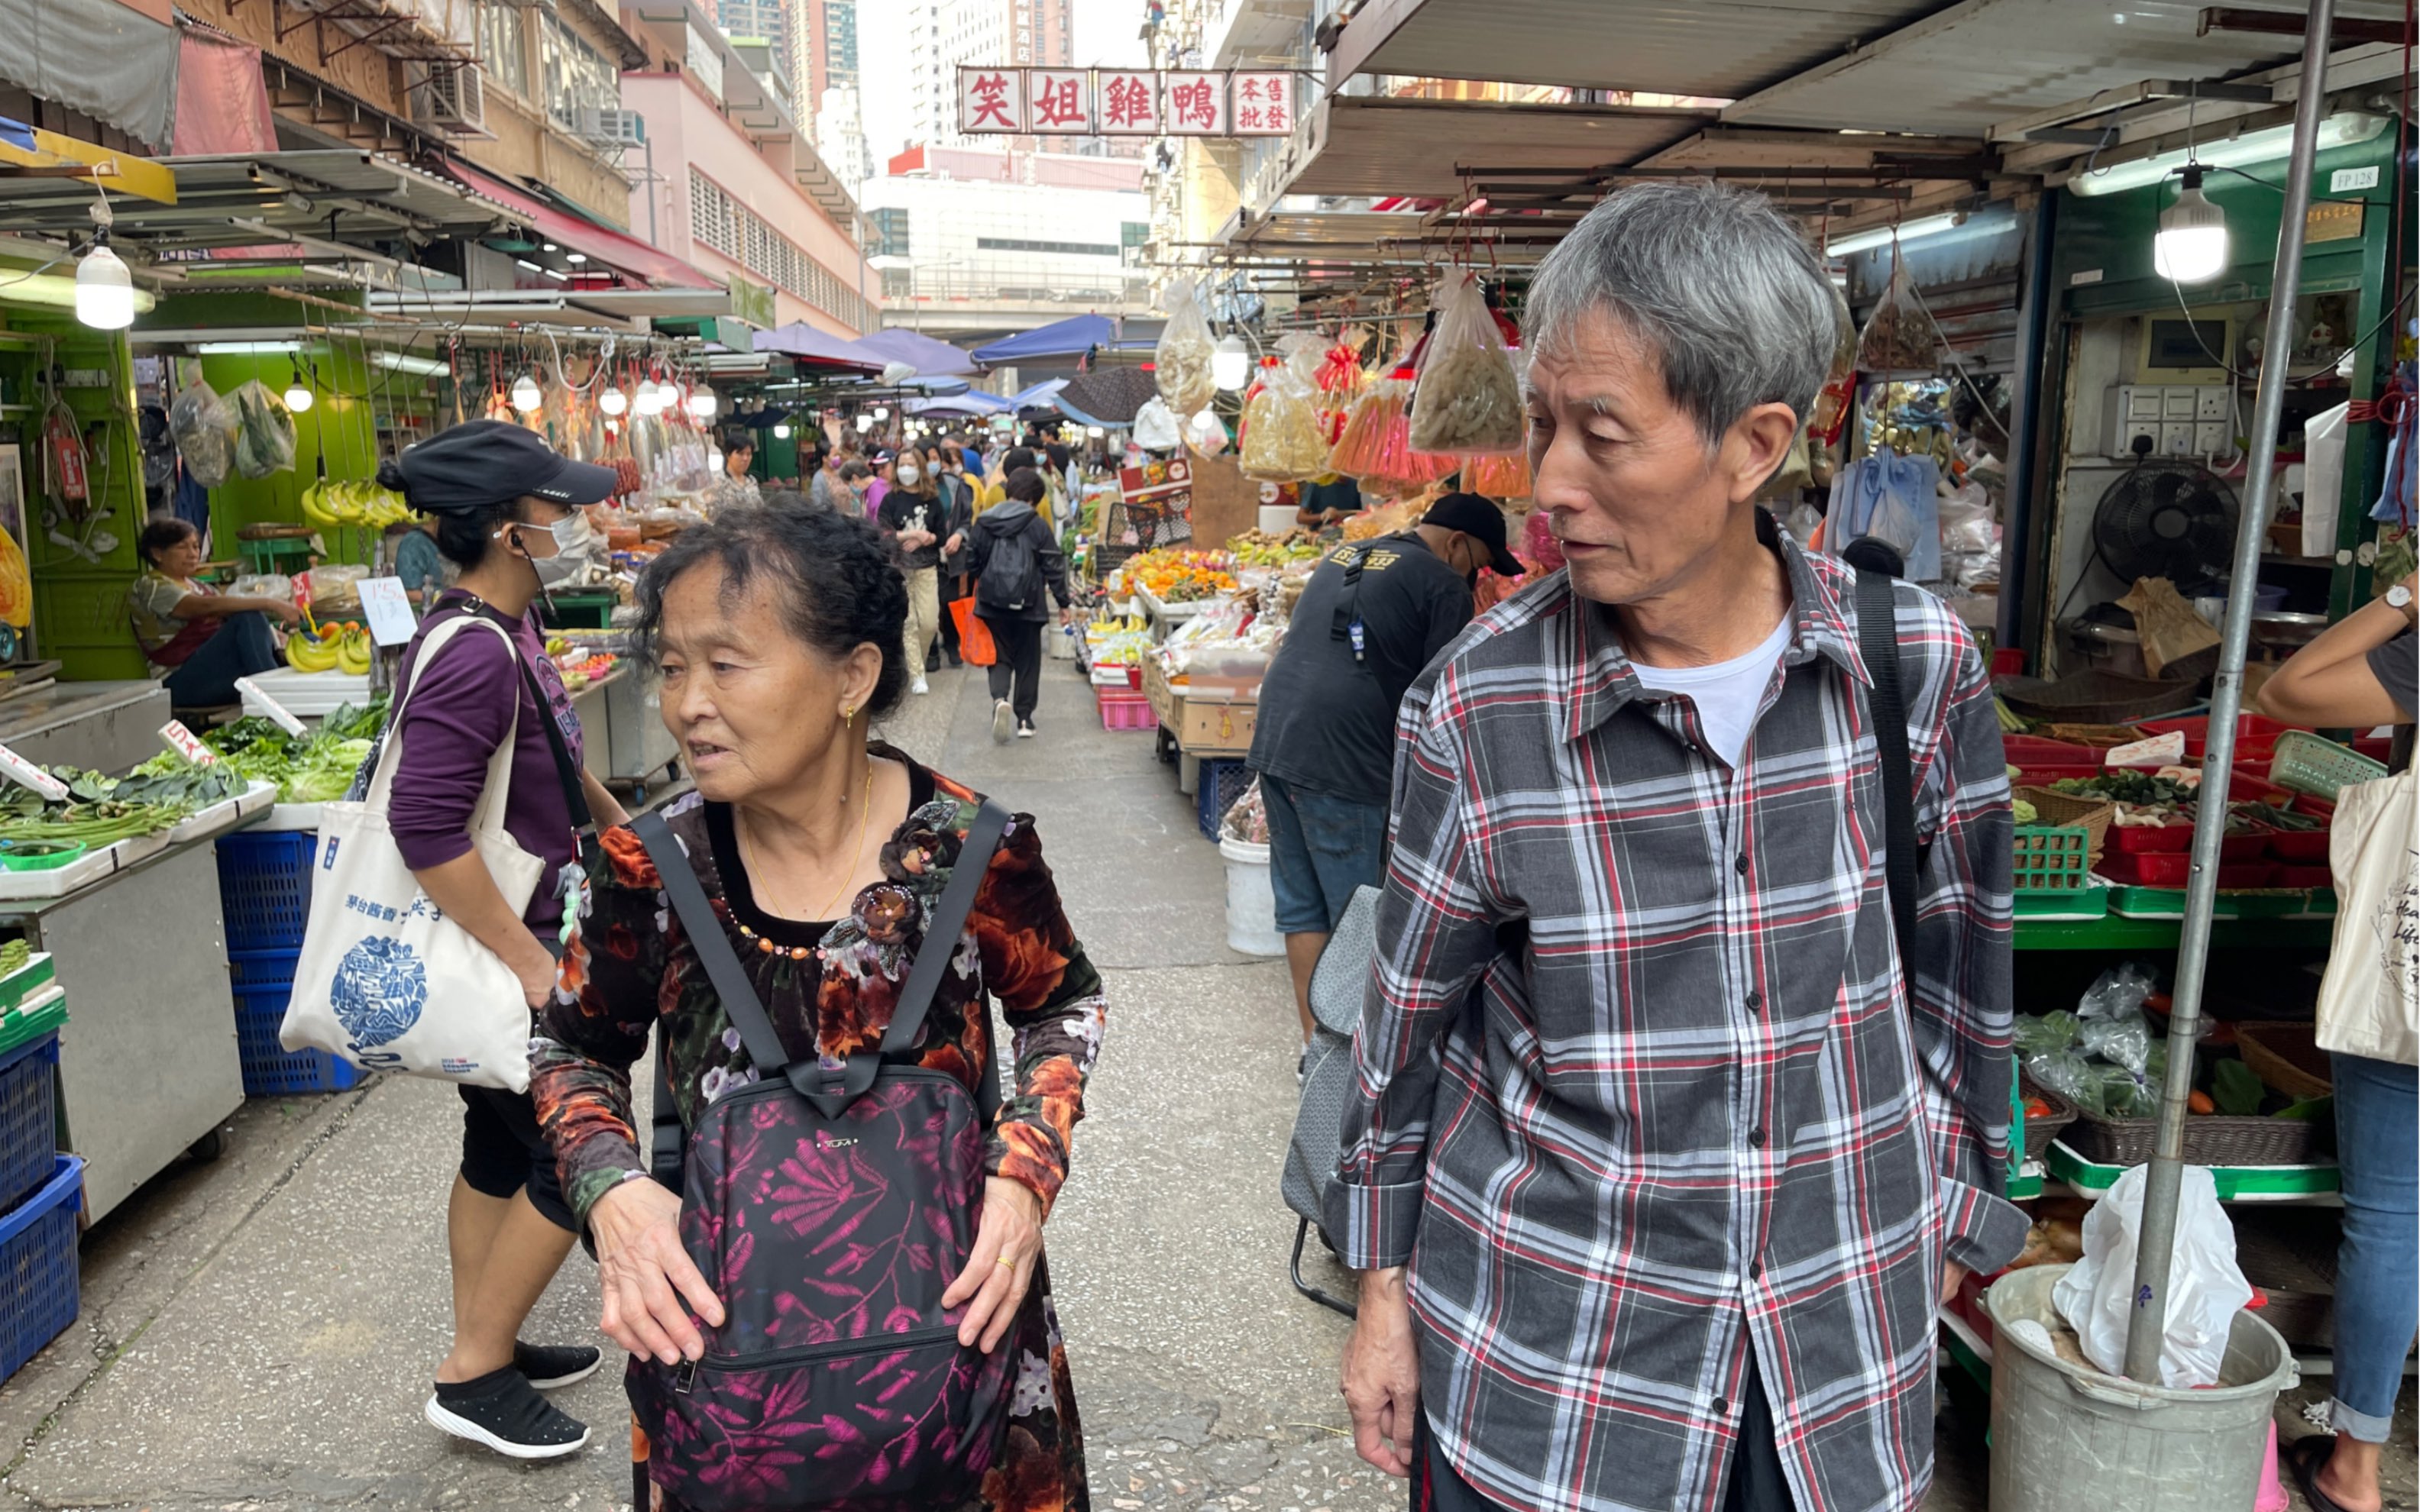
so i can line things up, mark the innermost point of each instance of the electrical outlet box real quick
(2175, 416)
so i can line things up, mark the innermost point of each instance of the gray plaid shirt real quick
(1697, 1115)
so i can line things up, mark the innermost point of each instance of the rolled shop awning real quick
(634, 258)
(931, 359)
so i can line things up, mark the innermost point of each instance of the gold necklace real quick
(865, 815)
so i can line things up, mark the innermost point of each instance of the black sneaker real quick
(1025, 730)
(551, 1367)
(501, 1411)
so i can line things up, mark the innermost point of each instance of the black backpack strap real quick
(1878, 644)
(830, 1094)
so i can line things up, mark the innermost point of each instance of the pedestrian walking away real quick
(2362, 671)
(913, 514)
(1015, 556)
(1662, 1148)
(821, 863)
(1373, 614)
(960, 522)
(508, 519)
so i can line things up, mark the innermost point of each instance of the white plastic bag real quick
(1155, 425)
(2323, 460)
(2205, 1288)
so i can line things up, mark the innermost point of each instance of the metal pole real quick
(2035, 300)
(2148, 1329)
(654, 191)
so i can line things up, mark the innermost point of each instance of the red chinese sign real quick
(1264, 104)
(991, 101)
(1060, 99)
(1129, 103)
(1197, 103)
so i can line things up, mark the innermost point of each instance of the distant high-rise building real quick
(1038, 34)
(827, 61)
(768, 20)
(840, 136)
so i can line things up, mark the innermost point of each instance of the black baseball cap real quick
(486, 462)
(1478, 518)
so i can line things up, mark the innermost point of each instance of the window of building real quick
(504, 49)
(577, 76)
(721, 223)
(1133, 233)
(889, 232)
(1079, 249)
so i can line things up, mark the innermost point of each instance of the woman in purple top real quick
(507, 516)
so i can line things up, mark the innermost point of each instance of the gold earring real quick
(848, 713)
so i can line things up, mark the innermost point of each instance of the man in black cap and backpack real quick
(1374, 615)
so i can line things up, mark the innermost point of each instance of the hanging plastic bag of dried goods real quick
(1499, 475)
(1898, 336)
(1839, 396)
(1339, 379)
(264, 441)
(1180, 363)
(204, 426)
(1467, 398)
(1282, 438)
(1155, 426)
(1361, 446)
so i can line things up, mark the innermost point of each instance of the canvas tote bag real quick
(386, 980)
(2370, 1004)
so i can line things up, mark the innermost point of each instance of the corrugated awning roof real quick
(336, 194)
(600, 243)
(1385, 145)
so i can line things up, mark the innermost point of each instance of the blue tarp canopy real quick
(803, 342)
(1071, 337)
(972, 402)
(1043, 395)
(930, 359)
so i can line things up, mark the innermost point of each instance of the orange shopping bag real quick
(974, 637)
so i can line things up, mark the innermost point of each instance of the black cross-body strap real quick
(574, 795)
(1878, 644)
(829, 1092)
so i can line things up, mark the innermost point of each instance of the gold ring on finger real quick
(1011, 1264)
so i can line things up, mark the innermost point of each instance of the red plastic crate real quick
(2317, 808)
(1122, 710)
(2300, 846)
(2153, 871)
(2302, 876)
(2255, 735)
(2377, 747)
(2034, 753)
(2134, 839)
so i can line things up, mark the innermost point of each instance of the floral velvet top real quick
(631, 967)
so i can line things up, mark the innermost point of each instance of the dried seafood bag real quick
(1283, 440)
(1467, 398)
(1898, 336)
(264, 441)
(204, 428)
(1181, 361)
(1361, 445)
(1339, 379)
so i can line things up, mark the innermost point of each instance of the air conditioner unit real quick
(612, 127)
(455, 100)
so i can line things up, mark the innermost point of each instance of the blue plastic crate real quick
(29, 1117)
(40, 1292)
(271, 1070)
(265, 888)
(1222, 783)
(248, 969)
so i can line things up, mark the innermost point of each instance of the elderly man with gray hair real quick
(1661, 1153)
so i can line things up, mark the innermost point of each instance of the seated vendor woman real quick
(198, 639)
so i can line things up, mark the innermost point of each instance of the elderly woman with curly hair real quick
(823, 854)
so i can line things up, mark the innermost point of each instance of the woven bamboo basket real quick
(2093, 815)
(2210, 1140)
(2288, 1057)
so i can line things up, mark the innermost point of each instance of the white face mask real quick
(909, 477)
(572, 537)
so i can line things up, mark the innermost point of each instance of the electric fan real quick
(2167, 520)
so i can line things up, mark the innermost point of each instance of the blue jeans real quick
(1321, 847)
(2378, 1265)
(241, 647)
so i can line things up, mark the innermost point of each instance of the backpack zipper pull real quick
(685, 1378)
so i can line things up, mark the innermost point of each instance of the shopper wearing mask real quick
(913, 514)
(959, 494)
(1015, 557)
(508, 517)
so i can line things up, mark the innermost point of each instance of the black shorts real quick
(503, 1151)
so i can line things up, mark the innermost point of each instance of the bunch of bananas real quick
(1113, 625)
(357, 504)
(335, 648)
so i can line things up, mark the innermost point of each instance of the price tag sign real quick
(278, 713)
(186, 744)
(22, 771)
(388, 610)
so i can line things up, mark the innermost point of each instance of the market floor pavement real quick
(260, 1332)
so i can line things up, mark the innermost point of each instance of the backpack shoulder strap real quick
(1878, 644)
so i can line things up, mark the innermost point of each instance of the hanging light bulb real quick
(613, 401)
(881, 414)
(298, 393)
(648, 400)
(104, 290)
(781, 431)
(703, 402)
(864, 422)
(1094, 432)
(525, 395)
(2191, 246)
(1231, 363)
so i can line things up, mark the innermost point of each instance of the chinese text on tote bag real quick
(2370, 1004)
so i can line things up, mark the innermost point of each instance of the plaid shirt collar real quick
(1594, 679)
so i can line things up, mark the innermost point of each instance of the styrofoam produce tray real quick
(308, 695)
(59, 881)
(291, 816)
(224, 815)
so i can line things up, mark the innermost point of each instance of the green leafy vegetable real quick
(2236, 1088)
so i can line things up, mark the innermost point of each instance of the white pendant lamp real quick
(1231, 363)
(104, 290)
(613, 401)
(525, 396)
(703, 402)
(298, 393)
(2191, 246)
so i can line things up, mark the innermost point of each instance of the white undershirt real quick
(1727, 693)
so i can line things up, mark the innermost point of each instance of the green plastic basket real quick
(2052, 859)
(2307, 764)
